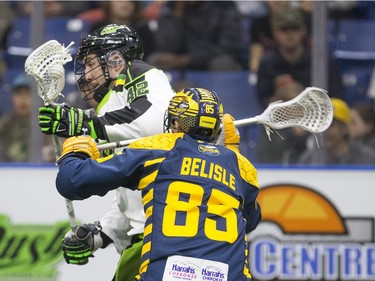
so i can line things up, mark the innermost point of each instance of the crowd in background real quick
(271, 40)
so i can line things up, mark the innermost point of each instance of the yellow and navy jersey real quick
(199, 200)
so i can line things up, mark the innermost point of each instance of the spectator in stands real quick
(152, 9)
(362, 124)
(338, 148)
(284, 147)
(286, 71)
(15, 126)
(6, 18)
(122, 12)
(199, 35)
(345, 9)
(261, 37)
(53, 8)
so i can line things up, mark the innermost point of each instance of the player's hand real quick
(79, 247)
(65, 121)
(82, 146)
(231, 134)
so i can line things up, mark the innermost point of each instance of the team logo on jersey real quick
(208, 149)
(302, 236)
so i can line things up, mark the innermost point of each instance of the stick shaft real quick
(38, 64)
(113, 145)
(72, 217)
(246, 121)
(68, 203)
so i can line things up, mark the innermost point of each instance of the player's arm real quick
(253, 215)
(112, 228)
(122, 116)
(116, 225)
(251, 209)
(66, 121)
(78, 247)
(231, 133)
(80, 177)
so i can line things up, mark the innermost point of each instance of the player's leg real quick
(130, 260)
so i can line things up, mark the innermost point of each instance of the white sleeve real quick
(130, 204)
(125, 218)
(116, 226)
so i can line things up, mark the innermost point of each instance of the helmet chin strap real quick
(100, 93)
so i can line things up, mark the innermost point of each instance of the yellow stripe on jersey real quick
(105, 158)
(246, 271)
(144, 266)
(145, 249)
(148, 212)
(145, 181)
(154, 161)
(148, 197)
(148, 230)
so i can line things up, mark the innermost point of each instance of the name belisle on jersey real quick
(200, 168)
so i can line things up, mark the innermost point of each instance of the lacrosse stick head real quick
(46, 65)
(311, 110)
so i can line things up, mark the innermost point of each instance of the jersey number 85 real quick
(219, 204)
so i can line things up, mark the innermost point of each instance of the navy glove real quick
(79, 247)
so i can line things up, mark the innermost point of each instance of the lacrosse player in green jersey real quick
(130, 98)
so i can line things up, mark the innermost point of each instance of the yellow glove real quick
(82, 145)
(231, 134)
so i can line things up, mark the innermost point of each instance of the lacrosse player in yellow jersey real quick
(199, 198)
(130, 98)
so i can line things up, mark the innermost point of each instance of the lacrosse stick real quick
(46, 65)
(311, 110)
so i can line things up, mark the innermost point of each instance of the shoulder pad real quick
(161, 141)
(247, 170)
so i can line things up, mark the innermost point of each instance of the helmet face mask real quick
(121, 40)
(198, 113)
(91, 74)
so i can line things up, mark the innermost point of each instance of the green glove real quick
(79, 247)
(65, 121)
